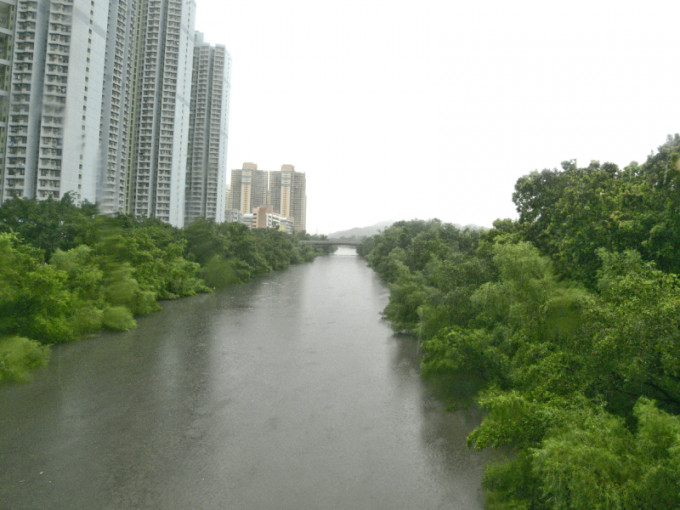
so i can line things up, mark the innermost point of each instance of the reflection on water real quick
(285, 393)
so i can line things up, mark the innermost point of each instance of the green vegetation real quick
(66, 272)
(18, 356)
(565, 322)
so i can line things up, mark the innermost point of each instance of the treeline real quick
(66, 271)
(566, 322)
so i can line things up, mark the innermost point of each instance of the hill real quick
(361, 232)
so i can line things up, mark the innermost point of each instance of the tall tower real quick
(275, 190)
(206, 179)
(120, 88)
(292, 193)
(52, 134)
(250, 188)
(7, 20)
(145, 121)
(285, 190)
(161, 110)
(95, 101)
(299, 201)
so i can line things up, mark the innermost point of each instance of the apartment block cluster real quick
(268, 198)
(117, 102)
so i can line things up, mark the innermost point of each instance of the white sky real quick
(408, 109)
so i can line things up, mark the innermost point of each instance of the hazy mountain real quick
(361, 232)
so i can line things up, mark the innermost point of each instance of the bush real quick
(145, 302)
(18, 356)
(88, 319)
(118, 318)
(219, 272)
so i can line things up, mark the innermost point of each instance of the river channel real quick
(288, 392)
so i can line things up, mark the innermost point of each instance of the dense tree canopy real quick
(566, 323)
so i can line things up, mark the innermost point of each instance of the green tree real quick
(34, 299)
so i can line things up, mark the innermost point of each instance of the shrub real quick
(219, 272)
(118, 318)
(18, 356)
(88, 319)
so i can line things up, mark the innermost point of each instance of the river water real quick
(288, 392)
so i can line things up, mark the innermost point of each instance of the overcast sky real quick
(431, 108)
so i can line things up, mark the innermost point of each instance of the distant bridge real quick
(332, 242)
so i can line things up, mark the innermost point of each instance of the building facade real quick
(147, 93)
(288, 190)
(7, 24)
(298, 201)
(249, 188)
(265, 217)
(285, 191)
(51, 143)
(96, 101)
(206, 179)
(120, 89)
(161, 110)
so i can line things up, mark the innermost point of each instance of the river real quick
(288, 392)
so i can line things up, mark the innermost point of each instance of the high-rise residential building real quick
(51, 142)
(299, 201)
(234, 193)
(288, 190)
(206, 179)
(95, 100)
(7, 18)
(275, 191)
(284, 190)
(145, 131)
(249, 188)
(161, 110)
(121, 86)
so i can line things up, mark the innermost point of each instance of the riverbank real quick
(66, 273)
(579, 383)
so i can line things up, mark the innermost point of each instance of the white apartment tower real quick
(206, 180)
(120, 88)
(162, 110)
(55, 100)
(145, 130)
(95, 100)
(7, 18)
(145, 123)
